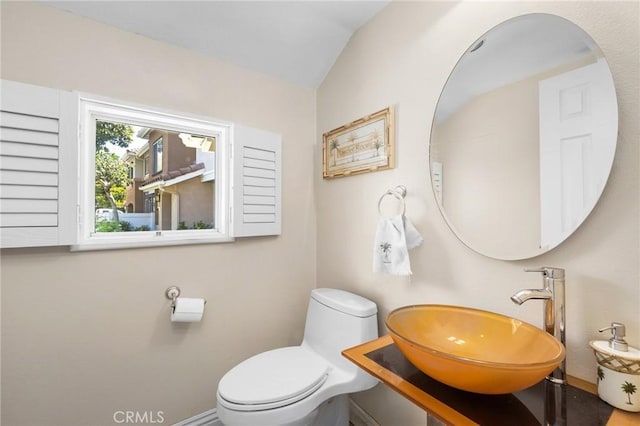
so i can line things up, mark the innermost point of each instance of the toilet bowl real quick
(307, 384)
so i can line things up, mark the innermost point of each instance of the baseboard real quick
(208, 418)
(359, 417)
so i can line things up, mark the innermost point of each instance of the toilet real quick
(307, 384)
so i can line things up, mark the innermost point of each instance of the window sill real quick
(149, 239)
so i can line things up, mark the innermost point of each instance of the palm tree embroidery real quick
(375, 138)
(629, 388)
(600, 374)
(386, 249)
(377, 146)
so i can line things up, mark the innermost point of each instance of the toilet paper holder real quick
(173, 293)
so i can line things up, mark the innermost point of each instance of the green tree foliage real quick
(121, 226)
(119, 194)
(117, 134)
(111, 173)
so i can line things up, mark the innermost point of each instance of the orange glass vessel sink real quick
(474, 350)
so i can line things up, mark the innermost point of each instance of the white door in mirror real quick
(577, 111)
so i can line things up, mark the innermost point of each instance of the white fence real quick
(135, 219)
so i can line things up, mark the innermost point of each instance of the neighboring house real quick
(172, 176)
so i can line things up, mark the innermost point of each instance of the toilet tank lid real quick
(344, 301)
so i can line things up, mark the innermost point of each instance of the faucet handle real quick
(617, 341)
(548, 271)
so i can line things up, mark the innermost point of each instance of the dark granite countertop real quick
(542, 404)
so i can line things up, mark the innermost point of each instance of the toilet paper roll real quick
(187, 310)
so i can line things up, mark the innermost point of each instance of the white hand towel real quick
(412, 236)
(395, 236)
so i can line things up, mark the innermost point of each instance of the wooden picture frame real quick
(365, 145)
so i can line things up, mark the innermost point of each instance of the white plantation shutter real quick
(257, 182)
(38, 140)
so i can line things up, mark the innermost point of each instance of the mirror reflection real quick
(523, 137)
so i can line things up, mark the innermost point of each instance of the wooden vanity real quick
(543, 403)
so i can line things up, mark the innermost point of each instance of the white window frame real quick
(92, 108)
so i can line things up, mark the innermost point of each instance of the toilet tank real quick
(337, 320)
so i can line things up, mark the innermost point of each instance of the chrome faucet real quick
(554, 312)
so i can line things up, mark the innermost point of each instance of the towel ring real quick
(399, 192)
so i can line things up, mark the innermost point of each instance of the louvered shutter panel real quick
(38, 145)
(257, 182)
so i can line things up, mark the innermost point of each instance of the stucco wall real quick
(403, 58)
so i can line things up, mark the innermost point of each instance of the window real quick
(157, 156)
(79, 171)
(186, 197)
(178, 198)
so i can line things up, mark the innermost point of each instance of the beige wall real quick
(87, 334)
(504, 189)
(403, 58)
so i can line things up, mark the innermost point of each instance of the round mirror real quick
(523, 137)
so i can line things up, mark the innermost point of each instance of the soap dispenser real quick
(618, 369)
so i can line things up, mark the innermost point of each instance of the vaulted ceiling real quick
(297, 41)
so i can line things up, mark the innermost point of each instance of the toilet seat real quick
(273, 379)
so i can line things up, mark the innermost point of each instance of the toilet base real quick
(333, 412)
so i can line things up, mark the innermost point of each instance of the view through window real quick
(153, 179)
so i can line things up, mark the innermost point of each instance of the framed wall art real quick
(365, 145)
